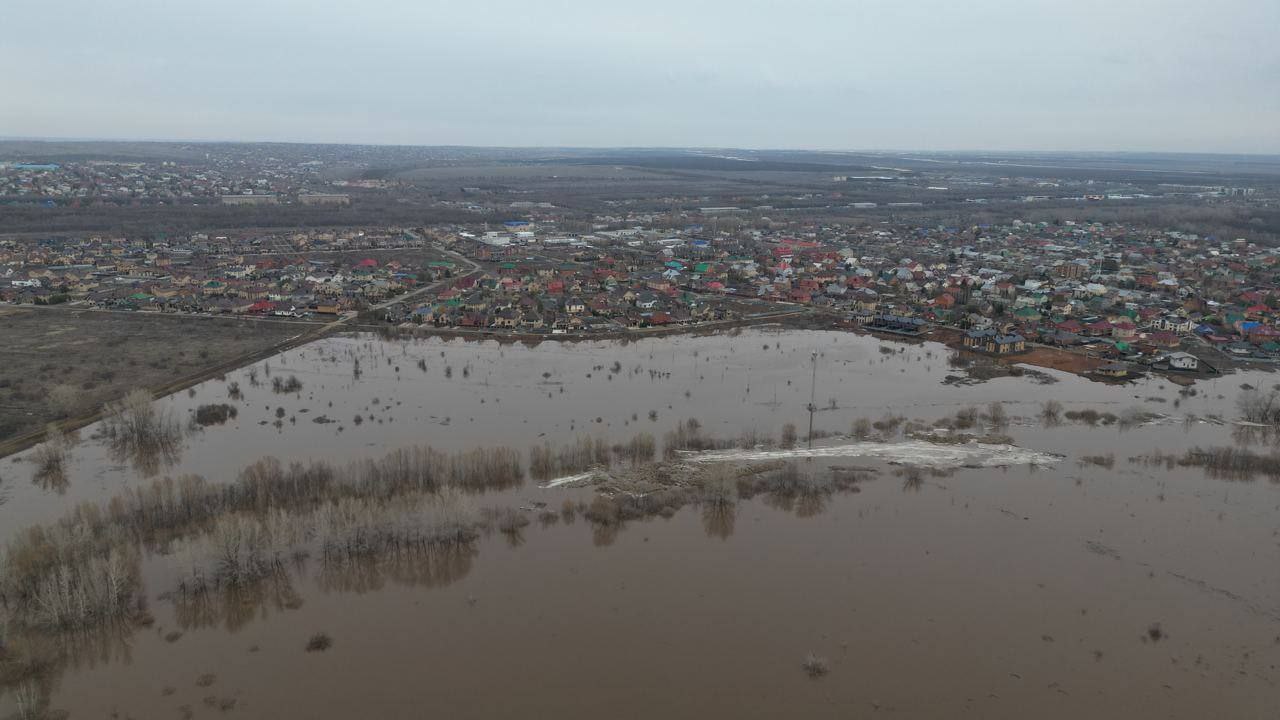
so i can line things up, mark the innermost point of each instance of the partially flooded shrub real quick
(1258, 406)
(752, 438)
(510, 520)
(140, 431)
(82, 569)
(788, 436)
(861, 429)
(814, 666)
(319, 642)
(1134, 416)
(639, 449)
(1232, 463)
(1157, 458)
(1051, 412)
(71, 593)
(425, 468)
(286, 386)
(687, 436)
(719, 486)
(788, 488)
(604, 510)
(214, 414)
(1088, 416)
(912, 478)
(545, 462)
(542, 462)
(1091, 417)
(51, 458)
(996, 416)
(889, 424)
(1107, 461)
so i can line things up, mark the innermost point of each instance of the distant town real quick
(1134, 297)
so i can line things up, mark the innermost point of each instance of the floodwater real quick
(1030, 590)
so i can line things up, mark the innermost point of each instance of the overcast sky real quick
(1175, 75)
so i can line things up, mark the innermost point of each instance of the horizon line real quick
(86, 139)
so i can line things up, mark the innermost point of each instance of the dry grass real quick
(101, 356)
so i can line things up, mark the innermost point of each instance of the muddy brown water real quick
(989, 593)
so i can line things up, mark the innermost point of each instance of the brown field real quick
(1070, 361)
(1058, 359)
(64, 363)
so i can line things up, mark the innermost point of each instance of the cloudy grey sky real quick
(1177, 75)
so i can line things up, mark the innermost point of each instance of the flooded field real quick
(1066, 554)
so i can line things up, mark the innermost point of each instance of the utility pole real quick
(813, 388)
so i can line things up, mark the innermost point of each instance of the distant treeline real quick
(133, 220)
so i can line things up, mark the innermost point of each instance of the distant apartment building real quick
(250, 200)
(324, 199)
(1072, 270)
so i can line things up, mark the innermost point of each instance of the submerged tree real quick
(1259, 407)
(137, 430)
(50, 459)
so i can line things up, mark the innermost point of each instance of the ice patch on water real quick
(910, 452)
(568, 480)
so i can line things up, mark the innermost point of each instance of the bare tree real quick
(1256, 406)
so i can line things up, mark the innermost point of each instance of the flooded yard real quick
(931, 556)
